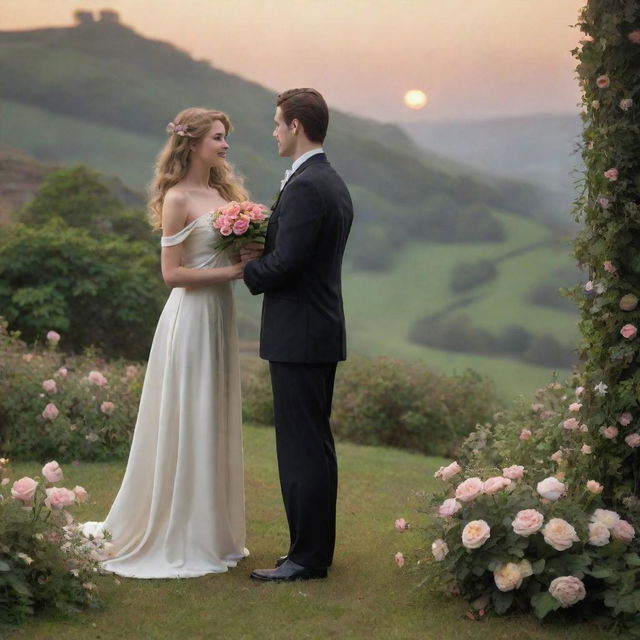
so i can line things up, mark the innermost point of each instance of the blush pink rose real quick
(628, 331)
(633, 440)
(475, 534)
(575, 406)
(609, 432)
(594, 486)
(52, 472)
(240, 227)
(50, 386)
(625, 419)
(401, 525)
(603, 82)
(567, 590)
(399, 559)
(53, 337)
(446, 473)
(579, 391)
(611, 175)
(448, 508)
(495, 484)
(623, 531)
(59, 498)
(439, 549)
(107, 407)
(599, 534)
(95, 377)
(226, 231)
(626, 104)
(62, 372)
(527, 522)
(50, 412)
(550, 488)
(469, 489)
(606, 517)
(559, 534)
(586, 449)
(603, 201)
(557, 456)
(514, 472)
(131, 372)
(24, 489)
(81, 494)
(571, 424)
(525, 434)
(634, 36)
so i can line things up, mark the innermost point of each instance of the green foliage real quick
(45, 562)
(469, 275)
(87, 427)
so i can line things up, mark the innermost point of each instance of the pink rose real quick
(603, 82)
(95, 377)
(24, 489)
(446, 473)
(107, 407)
(226, 231)
(567, 590)
(81, 494)
(52, 471)
(131, 372)
(62, 372)
(240, 227)
(586, 449)
(623, 531)
(53, 337)
(628, 331)
(469, 489)
(401, 525)
(633, 440)
(628, 302)
(598, 534)
(625, 419)
(550, 488)
(50, 412)
(59, 498)
(399, 558)
(575, 406)
(603, 201)
(27, 357)
(495, 484)
(594, 487)
(448, 508)
(233, 209)
(579, 391)
(626, 104)
(571, 424)
(49, 386)
(609, 432)
(439, 549)
(559, 534)
(514, 472)
(527, 522)
(525, 434)
(634, 36)
(475, 534)
(557, 456)
(612, 176)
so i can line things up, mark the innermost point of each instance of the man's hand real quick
(251, 252)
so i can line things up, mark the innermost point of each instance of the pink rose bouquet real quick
(239, 223)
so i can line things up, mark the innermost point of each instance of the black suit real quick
(303, 337)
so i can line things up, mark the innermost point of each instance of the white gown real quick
(180, 510)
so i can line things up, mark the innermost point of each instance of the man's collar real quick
(304, 157)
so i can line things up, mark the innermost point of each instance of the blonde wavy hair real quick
(190, 126)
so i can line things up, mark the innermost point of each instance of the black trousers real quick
(302, 395)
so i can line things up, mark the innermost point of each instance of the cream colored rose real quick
(475, 534)
(567, 590)
(508, 577)
(594, 486)
(527, 522)
(607, 518)
(559, 534)
(440, 549)
(550, 488)
(598, 534)
(469, 489)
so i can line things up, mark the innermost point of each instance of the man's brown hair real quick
(309, 107)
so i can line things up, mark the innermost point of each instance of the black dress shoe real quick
(288, 571)
(281, 560)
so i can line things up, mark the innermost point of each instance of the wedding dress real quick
(180, 509)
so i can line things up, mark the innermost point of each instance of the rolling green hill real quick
(100, 94)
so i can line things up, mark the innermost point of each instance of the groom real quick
(303, 331)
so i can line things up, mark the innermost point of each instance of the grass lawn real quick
(366, 595)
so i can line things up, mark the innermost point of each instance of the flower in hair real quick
(178, 129)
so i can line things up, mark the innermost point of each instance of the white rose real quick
(598, 534)
(607, 518)
(550, 488)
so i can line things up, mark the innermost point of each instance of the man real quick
(303, 331)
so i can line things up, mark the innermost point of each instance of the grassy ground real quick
(365, 597)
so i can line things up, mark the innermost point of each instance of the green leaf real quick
(544, 603)
(538, 566)
(4, 566)
(632, 559)
(502, 601)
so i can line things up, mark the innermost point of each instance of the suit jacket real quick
(300, 269)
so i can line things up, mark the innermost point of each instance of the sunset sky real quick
(473, 58)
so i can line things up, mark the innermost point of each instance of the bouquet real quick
(239, 223)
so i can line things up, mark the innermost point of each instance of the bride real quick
(180, 509)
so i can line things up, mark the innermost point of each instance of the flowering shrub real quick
(44, 559)
(53, 405)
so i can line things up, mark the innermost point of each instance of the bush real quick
(468, 275)
(105, 292)
(90, 420)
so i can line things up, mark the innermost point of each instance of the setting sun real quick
(415, 99)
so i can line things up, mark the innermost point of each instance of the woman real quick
(180, 510)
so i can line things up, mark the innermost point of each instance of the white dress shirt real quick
(296, 163)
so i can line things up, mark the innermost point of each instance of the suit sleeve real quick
(299, 222)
